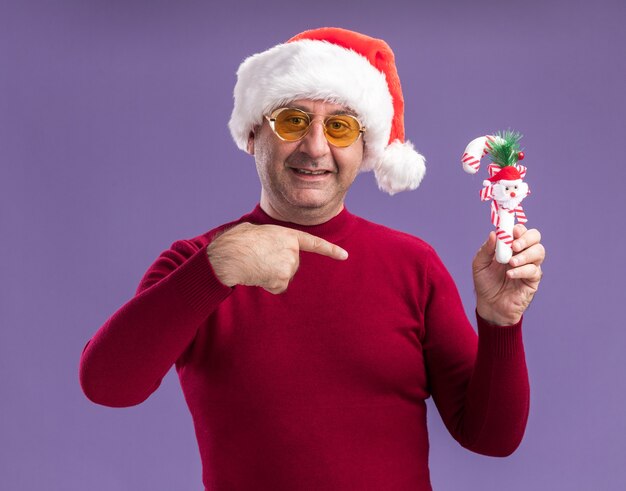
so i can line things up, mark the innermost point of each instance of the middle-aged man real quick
(307, 339)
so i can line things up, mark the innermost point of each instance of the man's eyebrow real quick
(350, 112)
(333, 113)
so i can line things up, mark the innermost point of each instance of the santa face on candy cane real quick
(509, 194)
(505, 186)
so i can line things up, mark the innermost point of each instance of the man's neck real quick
(308, 217)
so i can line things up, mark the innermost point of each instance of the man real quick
(307, 339)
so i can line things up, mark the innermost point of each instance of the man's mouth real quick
(310, 172)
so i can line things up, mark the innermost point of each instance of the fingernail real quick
(343, 253)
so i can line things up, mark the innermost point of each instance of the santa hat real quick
(508, 173)
(342, 67)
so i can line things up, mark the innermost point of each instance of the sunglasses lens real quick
(342, 130)
(291, 124)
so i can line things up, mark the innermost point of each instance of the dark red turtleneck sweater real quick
(322, 387)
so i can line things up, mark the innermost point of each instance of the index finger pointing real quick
(312, 243)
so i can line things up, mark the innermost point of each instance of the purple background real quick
(113, 144)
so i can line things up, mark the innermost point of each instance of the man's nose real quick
(315, 143)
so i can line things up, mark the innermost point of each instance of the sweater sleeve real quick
(126, 359)
(479, 384)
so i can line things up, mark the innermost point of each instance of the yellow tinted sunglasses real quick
(291, 124)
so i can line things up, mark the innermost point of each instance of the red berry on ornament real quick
(520, 155)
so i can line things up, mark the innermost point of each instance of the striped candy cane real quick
(475, 151)
(502, 218)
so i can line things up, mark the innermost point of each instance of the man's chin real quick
(311, 200)
(306, 208)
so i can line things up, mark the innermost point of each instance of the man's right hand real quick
(264, 255)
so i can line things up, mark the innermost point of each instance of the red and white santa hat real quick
(339, 66)
(508, 173)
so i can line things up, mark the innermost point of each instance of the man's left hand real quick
(504, 291)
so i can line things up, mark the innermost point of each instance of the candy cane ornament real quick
(505, 186)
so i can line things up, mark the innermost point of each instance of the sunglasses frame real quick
(271, 119)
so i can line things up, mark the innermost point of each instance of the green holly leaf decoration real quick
(505, 150)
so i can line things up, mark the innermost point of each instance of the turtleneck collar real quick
(334, 229)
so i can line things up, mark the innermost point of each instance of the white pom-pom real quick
(401, 168)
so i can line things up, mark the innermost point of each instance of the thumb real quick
(487, 251)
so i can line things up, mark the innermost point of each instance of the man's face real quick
(289, 191)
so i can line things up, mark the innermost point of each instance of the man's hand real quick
(264, 255)
(504, 291)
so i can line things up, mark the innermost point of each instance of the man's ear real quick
(250, 148)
